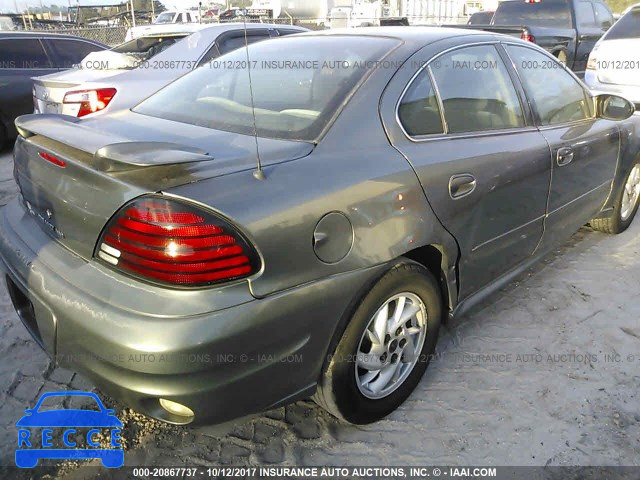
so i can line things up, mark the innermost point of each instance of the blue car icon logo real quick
(66, 422)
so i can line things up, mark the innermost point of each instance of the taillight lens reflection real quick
(90, 101)
(172, 242)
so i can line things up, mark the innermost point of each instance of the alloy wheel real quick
(390, 345)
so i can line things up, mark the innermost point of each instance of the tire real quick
(625, 208)
(359, 396)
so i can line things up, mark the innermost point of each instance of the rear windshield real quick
(627, 27)
(145, 48)
(145, 44)
(545, 13)
(298, 85)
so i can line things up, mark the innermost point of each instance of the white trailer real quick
(434, 12)
(355, 13)
(315, 11)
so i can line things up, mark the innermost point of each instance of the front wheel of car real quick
(386, 347)
(625, 208)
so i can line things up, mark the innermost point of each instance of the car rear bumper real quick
(222, 363)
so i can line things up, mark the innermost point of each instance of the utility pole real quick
(133, 15)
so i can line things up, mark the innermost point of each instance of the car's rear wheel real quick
(385, 348)
(625, 208)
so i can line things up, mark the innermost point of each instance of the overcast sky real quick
(9, 6)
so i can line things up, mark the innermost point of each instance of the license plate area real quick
(51, 107)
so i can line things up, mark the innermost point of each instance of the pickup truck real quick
(164, 23)
(568, 29)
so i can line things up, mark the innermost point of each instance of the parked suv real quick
(30, 54)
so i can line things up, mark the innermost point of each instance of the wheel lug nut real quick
(387, 338)
(399, 331)
(383, 357)
(394, 358)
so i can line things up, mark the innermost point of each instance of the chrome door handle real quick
(461, 185)
(564, 156)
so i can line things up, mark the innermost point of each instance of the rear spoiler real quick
(132, 155)
(110, 152)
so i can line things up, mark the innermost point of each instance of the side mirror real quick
(613, 107)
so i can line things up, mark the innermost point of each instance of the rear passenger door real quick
(483, 165)
(20, 59)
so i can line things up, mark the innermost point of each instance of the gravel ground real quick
(545, 373)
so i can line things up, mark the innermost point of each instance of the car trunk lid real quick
(49, 90)
(74, 177)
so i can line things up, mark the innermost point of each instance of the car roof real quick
(419, 35)
(240, 25)
(33, 34)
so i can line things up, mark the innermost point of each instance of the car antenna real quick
(259, 173)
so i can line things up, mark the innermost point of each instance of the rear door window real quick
(604, 19)
(476, 90)
(419, 112)
(21, 53)
(67, 53)
(584, 15)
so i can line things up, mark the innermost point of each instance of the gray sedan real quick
(297, 219)
(104, 84)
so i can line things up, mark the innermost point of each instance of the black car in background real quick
(31, 54)
(481, 18)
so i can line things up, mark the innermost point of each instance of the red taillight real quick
(51, 159)
(527, 37)
(90, 101)
(171, 242)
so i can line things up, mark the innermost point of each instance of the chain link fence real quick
(115, 35)
(111, 36)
